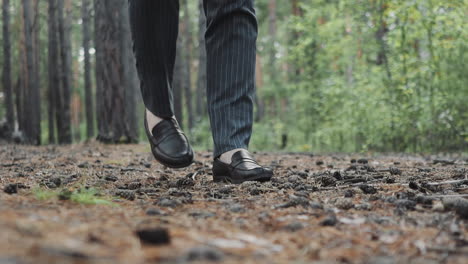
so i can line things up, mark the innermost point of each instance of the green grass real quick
(79, 195)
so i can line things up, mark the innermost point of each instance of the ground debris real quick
(459, 205)
(295, 201)
(203, 254)
(13, 188)
(154, 236)
(368, 189)
(399, 204)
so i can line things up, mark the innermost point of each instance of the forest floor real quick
(93, 203)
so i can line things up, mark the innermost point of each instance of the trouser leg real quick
(154, 25)
(231, 36)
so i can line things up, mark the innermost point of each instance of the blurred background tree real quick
(332, 75)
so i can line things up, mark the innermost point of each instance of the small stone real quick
(413, 185)
(201, 214)
(395, 171)
(326, 181)
(349, 193)
(126, 194)
(337, 175)
(11, 188)
(294, 226)
(236, 208)
(344, 203)
(424, 200)
(255, 190)
(367, 189)
(316, 205)
(225, 190)
(459, 205)
(154, 212)
(56, 180)
(389, 180)
(185, 182)
(405, 204)
(353, 160)
(164, 202)
(111, 178)
(83, 165)
(362, 161)
(134, 185)
(319, 163)
(364, 207)
(154, 236)
(204, 254)
(295, 201)
(438, 206)
(294, 178)
(330, 220)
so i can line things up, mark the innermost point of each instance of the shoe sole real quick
(228, 179)
(179, 166)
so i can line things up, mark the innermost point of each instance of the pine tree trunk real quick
(130, 75)
(200, 107)
(64, 129)
(89, 107)
(32, 100)
(6, 75)
(53, 68)
(98, 21)
(110, 91)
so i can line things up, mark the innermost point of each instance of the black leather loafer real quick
(169, 144)
(243, 168)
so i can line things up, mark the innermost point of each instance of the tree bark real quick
(6, 75)
(109, 73)
(89, 107)
(64, 128)
(53, 70)
(130, 75)
(32, 100)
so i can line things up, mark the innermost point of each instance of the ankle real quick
(226, 157)
(152, 120)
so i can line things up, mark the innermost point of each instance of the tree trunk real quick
(110, 89)
(89, 107)
(272, 34)
(32, 100)
(200, 107)
(130, 76)
(64, 126)
(6, 75)
(53, 68)
(98, 21)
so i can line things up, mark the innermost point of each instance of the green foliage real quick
(80, 195)
(377, 75)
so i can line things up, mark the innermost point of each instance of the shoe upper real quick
(169, 144)
(243, 167)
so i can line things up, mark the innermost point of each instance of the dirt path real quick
(334, 208)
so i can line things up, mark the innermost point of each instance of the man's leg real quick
(231, 47)
(154, 26)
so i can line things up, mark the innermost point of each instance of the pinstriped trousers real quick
(230, 36)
